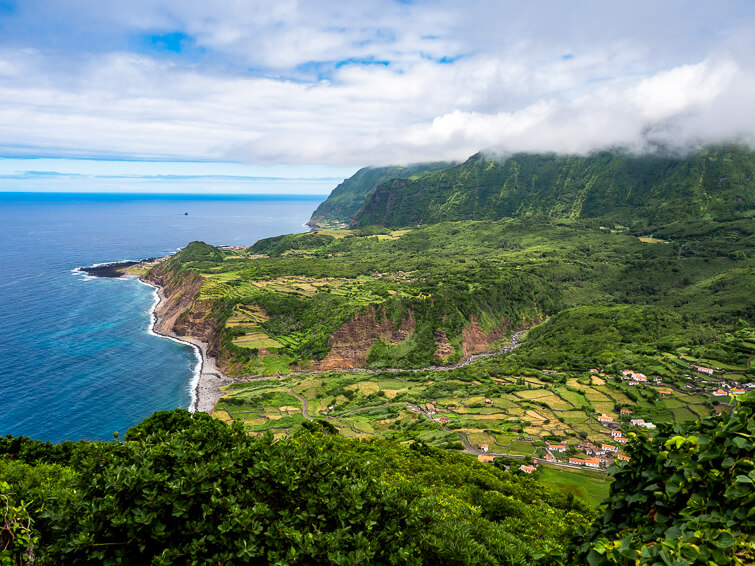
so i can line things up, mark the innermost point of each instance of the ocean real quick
(78, 359)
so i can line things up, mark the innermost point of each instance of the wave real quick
(197, 372)
(82, 275)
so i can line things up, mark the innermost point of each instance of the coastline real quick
(207, 379)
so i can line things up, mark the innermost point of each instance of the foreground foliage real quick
(186, 489)
(189, 489)
(687, 497)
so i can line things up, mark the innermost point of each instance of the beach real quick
(208, 379)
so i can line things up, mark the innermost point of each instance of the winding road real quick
(303, 400)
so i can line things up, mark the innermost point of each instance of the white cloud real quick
(627, 80)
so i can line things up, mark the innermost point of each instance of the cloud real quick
(288, 82)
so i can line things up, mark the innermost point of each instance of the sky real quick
(293, 96)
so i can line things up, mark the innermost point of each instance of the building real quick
(625, 412)
(720, 393)
(701, 369)
(616, 433)
(430, 408)
(577, 461)
(489, 401)
(665, 392)
(738, 391)
(484, 458)
(527, 469)
(590, 449)
(443, 420)
(621, 439)
(622, 458)
(610, 448)
(556, 447)
(605, 419)
(641, 422)
(484, 447)
(592, 463)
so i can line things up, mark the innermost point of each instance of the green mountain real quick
(348, 197)
(630, 190)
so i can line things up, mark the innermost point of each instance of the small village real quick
(600, 457)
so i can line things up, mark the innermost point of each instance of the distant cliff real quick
(348, 197)
(617, 186)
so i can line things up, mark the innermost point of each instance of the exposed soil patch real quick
(351, 343)
(443, 347)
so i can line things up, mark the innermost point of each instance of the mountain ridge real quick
(633, 190)
(349, 196)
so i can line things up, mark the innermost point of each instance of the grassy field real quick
(591, 486)
(520, 417)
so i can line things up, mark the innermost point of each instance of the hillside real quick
(436, 295)
(348, 197)
(618, 187)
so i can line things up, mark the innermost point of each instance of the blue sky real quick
(245, 96)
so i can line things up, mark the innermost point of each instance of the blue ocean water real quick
(77, 360)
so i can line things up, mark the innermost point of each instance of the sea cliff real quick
(173, 318)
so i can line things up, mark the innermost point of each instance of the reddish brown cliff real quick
(350, 344)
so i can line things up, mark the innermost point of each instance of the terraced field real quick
(512, 415)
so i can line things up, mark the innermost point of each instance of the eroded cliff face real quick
(179, 312)
(351, 343)
(474, 339)
(443, 347)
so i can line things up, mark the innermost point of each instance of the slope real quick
(615, 186)
(348, 197)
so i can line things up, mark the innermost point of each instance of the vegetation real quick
(635, 191)
(185, 489)
(479, 403)
(433, 295)
(188, 488)
(686, 497)
(347, 198)
(352, 449)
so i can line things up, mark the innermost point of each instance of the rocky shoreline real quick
(209, 379)
(114, 268)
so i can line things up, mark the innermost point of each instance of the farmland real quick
(515, 415)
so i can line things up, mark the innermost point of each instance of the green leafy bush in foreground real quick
(687, 497)
(186, 489)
